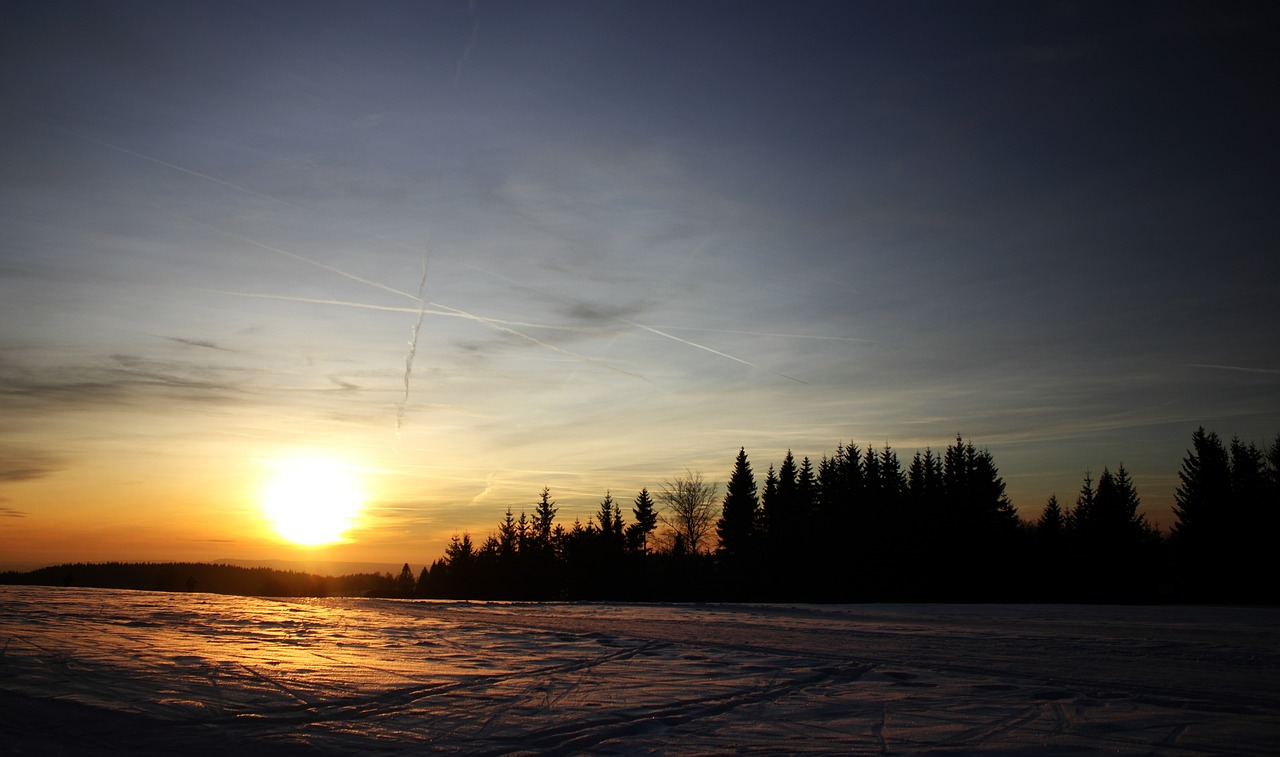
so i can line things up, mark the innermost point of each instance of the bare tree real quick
(689, 508)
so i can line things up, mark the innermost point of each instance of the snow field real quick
(99, 671)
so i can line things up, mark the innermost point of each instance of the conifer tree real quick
(404, 582)
(610, 519)
(806, 493)
(768, 498)
(1202, 529)
(738, 515)
(779, 510)
(1052, 522)
(1082, 515)
(543, 515)
(646, 520)
(508, 536)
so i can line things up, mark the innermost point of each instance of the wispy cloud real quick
(17, 464)
(203, 343)
(120, 378)
(1239, 368)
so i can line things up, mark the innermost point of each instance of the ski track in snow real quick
(93, 671)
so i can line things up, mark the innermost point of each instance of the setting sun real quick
(312, 501)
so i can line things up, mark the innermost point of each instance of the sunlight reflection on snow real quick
(346, 674)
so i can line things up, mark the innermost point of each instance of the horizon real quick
(460, 252)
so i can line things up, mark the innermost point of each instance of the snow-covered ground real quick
(90, 671)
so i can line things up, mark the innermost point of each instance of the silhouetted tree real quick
(768, 495)
(404, 582)
(1112, 540)
(1206, 550)
(611, 526)
(980, 524)
(779, 512)
(646, 520)
(689, 509)
(508, 536)
(738, 513)
(543, 515)
(1052, 525)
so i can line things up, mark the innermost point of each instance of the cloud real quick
(1240, 368)
(9, 512)
(196, 343)
(18, 464)
(122, 378)
(593, 313)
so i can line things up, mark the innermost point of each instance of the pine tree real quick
(610, 519)
(646, 520)
(404, 582)
(460, 550)
(1082, 515)
(1052, 523)
(779, 510)
(768, 498)
(737, 525)
(806, 493)
(1206, 551)
(543, 515)
(508, 536)
(980, 527)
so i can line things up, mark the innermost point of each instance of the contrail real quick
(708, 349)
(494, 325)
(402, 309)
(471, 43)
(174, 166)
(413, 344)
(1242, 369)
(773, 333)
(316, 263)
(286, 253)
(491, 323)
(629, 322)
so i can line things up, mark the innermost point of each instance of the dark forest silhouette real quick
(858, 526)
(206, 577)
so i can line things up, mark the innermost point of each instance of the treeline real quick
(205, 577)
(862, 526)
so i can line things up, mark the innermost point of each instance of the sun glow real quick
(312, 501)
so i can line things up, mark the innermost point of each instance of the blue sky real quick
(651, 233)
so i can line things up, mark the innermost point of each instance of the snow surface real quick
(92, 671)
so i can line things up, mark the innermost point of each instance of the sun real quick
(312, 501)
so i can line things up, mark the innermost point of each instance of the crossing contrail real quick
(174, 166)
(413, 344)
(459, 312)
(369, 282)
(708, 349)
(403, 309)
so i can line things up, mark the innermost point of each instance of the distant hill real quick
(318, 567)
(205, 577)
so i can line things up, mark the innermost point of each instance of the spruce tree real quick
(610, 519)
(543, 515)
(508, 536)
(646, 520)
(1202, 530)
(738, 515)
(404, 582)
(768, 496)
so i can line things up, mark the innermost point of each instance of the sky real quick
(471, 249)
